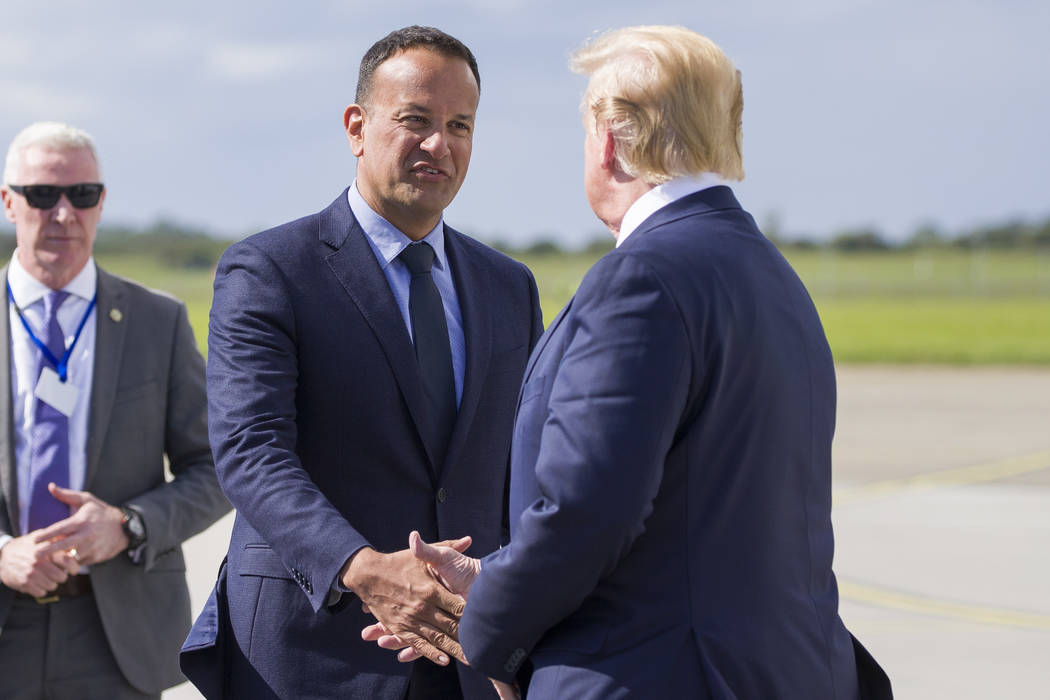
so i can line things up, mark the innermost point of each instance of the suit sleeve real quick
(614, 407)
(176, 510)
(252, 380)
(536, 320)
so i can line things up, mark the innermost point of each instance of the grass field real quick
(927, 306)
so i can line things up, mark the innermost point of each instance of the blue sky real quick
(228, 115)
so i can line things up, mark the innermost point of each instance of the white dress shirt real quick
(29, 295)
(660, 196)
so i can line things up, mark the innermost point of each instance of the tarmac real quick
(942, 525)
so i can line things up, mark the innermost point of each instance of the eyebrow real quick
(412, 107)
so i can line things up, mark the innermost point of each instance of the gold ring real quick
(72, 551)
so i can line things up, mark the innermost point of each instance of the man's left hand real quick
(93, 530)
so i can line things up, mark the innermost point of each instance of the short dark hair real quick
(408, 38)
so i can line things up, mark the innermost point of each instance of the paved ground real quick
(942, 523)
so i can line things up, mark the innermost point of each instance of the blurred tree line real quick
(172, 244)
(180, 246)
(1013, 234)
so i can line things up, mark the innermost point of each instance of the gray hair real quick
(53, 135)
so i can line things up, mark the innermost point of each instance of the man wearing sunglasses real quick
(100, 380)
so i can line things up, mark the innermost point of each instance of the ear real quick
(608, 150)
(354, 123)
(9, 212)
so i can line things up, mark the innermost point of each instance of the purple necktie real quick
(49, 438)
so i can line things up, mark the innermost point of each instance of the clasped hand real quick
(37, 562)
(444, 563)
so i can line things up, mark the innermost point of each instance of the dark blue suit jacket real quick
(322, 443)
(671, 481)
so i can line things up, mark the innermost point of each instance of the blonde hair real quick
(53, 135)
(671, 99)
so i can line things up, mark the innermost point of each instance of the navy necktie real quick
(430, 335)
(49, 438)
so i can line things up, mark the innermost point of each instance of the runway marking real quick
(960, 476)
(965, 612)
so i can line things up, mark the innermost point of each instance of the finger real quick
(428, 650)
(51, 574)
(372, 633)
(67, 562)
(451, 603)
(505, 691)
(408, 654)
(62, 545)
(428, 552)
(61, 529)
(461, 545)
(392, 642)
(34, 589)
(68, 496)
(443, 642)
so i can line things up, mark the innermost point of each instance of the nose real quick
(436, 144)
(63, 209)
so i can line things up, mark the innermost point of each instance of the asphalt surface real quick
(942, 524)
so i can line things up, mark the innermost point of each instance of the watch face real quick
(133, 525)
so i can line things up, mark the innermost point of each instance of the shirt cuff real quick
(4, 539)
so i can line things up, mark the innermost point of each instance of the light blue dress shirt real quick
(387, 242)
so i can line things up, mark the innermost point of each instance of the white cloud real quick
(26, 101)
(257, 62)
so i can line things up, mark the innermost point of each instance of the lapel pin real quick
(116, 315)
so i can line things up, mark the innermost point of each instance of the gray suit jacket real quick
(147, 402)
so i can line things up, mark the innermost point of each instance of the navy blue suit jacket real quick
(322, 443)
(671, 481)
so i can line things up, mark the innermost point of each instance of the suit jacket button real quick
(442, 495)
(514, 661)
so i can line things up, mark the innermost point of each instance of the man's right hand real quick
(27, 567)
(401, 593)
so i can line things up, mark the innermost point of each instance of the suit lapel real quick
(544, 339)
(355, 266)
(469, 274)
(110, 332)
(9, 472)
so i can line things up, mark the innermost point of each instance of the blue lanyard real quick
(61, 366)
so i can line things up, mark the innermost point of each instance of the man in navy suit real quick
(362, 370)
(671, 460)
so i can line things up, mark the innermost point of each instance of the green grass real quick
(943, 307)
(192, 286)
(941, 330)
(928, 306)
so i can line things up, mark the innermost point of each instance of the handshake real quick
(417, 596)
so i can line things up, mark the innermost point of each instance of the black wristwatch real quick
(135, 529)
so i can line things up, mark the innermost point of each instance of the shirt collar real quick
(386, 238)
(660, 196)
(27, 290)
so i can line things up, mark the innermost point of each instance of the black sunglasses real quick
(83, 195)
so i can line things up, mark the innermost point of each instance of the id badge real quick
(52, 391)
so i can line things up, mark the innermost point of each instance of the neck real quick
(620, 196)
(408, 222)
(55, 279)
